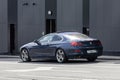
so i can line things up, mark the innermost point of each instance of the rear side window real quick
(56, 38)
(76, 36)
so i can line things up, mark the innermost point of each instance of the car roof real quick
(62, 33)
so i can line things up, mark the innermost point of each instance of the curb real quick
(9, 56)
(111, 53)
(109, 57)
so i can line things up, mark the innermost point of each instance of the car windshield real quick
(76, 36)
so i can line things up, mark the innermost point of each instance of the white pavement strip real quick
(6, 78)
(80, 71)
(56, 77)
(29, 70)
(89, 79)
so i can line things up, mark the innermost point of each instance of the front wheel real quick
(91, 59)
(60, 56)
(24, 54)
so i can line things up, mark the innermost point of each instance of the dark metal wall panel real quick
(105, 23)
(31, 20)
(69, 15)
(50, 5)
(3, 11)
(86, 13)
(12, 11)
(12, 20)
(3, 26)
(3, 38)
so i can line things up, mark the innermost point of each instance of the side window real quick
(45, 39)
(56, 38)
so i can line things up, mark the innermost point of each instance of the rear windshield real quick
(76, 36)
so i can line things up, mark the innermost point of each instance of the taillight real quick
(98, 43)
(76, 44)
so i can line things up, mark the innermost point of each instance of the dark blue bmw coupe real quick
(62, 46)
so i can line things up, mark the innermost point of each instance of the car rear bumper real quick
(84, 53)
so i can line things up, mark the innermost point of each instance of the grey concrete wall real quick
(105, 23)
(31, 20)
(3, 26)
(69, 15)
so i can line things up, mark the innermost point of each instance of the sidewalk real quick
(106, 57)
(110, 53)
(103, 57)
(9, 56)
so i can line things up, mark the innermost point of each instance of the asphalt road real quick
(105, 68)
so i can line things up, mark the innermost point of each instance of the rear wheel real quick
(60, 56)
(25, 55)
(91, 59)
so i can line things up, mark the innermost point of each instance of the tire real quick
(91, 59)
(24, 54)
(60, 56)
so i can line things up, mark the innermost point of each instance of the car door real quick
(54, 44)
(42, 47)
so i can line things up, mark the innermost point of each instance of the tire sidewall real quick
(27, 59)
(65, 58)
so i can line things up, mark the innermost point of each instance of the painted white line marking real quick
(73, 71)
(107, 66)
(89, 79)
(29, 70)
(5, 62)
(50, 77)
(6, 78)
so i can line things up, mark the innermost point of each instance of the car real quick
(62, 46)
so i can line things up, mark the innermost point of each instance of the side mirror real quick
(37, 42)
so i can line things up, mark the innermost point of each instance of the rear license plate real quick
(91, 51)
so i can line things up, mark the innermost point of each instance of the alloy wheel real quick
(25, 55)
(60, 56)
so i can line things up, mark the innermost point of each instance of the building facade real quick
(105, 23)
(3, 26)
(22, 21)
